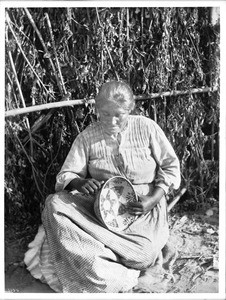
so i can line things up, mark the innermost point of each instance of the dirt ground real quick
(195, 270)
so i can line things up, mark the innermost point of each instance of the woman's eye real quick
(120, 116)
(108, 115)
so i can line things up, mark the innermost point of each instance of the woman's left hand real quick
(146, 203)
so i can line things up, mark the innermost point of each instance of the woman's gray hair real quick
(118, 92)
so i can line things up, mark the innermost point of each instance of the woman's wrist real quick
(157, 194)
(74, 184)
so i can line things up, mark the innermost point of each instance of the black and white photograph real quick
(113, 133)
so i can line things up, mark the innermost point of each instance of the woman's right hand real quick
(87, 186)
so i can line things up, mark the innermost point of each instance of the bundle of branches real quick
(56, 54)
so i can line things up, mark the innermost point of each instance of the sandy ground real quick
(195, 269)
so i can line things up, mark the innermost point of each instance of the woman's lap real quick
(88, 257)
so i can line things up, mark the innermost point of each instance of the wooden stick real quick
(25, 57)
(127, 24)
(177, 93)
(196, 257)
(20, 90)
(176, 199)
(34, 171)
(38, 123)
(14, 112)
(55, 53)
(106, 46)
(98, 18)
(14, 95)
(111, 60)
(44, 46)
(21, 96)
(15, 74)
(46, 106)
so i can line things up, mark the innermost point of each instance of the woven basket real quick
(110, 205)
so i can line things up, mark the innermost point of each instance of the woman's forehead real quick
(111, 107)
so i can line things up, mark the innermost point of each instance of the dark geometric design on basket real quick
(117, 190)
(122, 209)
(117, 181)
(128, 220)
(130, 197)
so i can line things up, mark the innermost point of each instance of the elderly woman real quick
(75, 253)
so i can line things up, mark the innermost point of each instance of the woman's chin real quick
(113, 131)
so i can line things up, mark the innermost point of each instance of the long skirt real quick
(74, 253)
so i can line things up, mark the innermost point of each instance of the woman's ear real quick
(97, 113)
(133, 108)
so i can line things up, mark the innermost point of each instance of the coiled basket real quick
(110, 205)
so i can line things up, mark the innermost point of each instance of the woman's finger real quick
(95, 184)
(86, 190)
(132, 212)
(135, 210)
(98, 183)
(135, 204)
(90, 189)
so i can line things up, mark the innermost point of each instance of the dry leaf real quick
(209, 212)
(210, 231)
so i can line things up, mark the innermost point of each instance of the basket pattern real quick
(111, 203)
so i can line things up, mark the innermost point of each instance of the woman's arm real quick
(167, 172)
(168, 165)
(75, 164)
(86, 186)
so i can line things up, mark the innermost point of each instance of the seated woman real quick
(75, 253)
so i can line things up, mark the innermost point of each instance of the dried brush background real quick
(55, 54)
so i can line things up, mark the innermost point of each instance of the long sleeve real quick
(75, 164)
(168, 166)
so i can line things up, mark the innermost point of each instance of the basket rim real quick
(121, 177)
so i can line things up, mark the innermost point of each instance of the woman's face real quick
(112, 117)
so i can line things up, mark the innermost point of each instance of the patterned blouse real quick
(141, 153)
